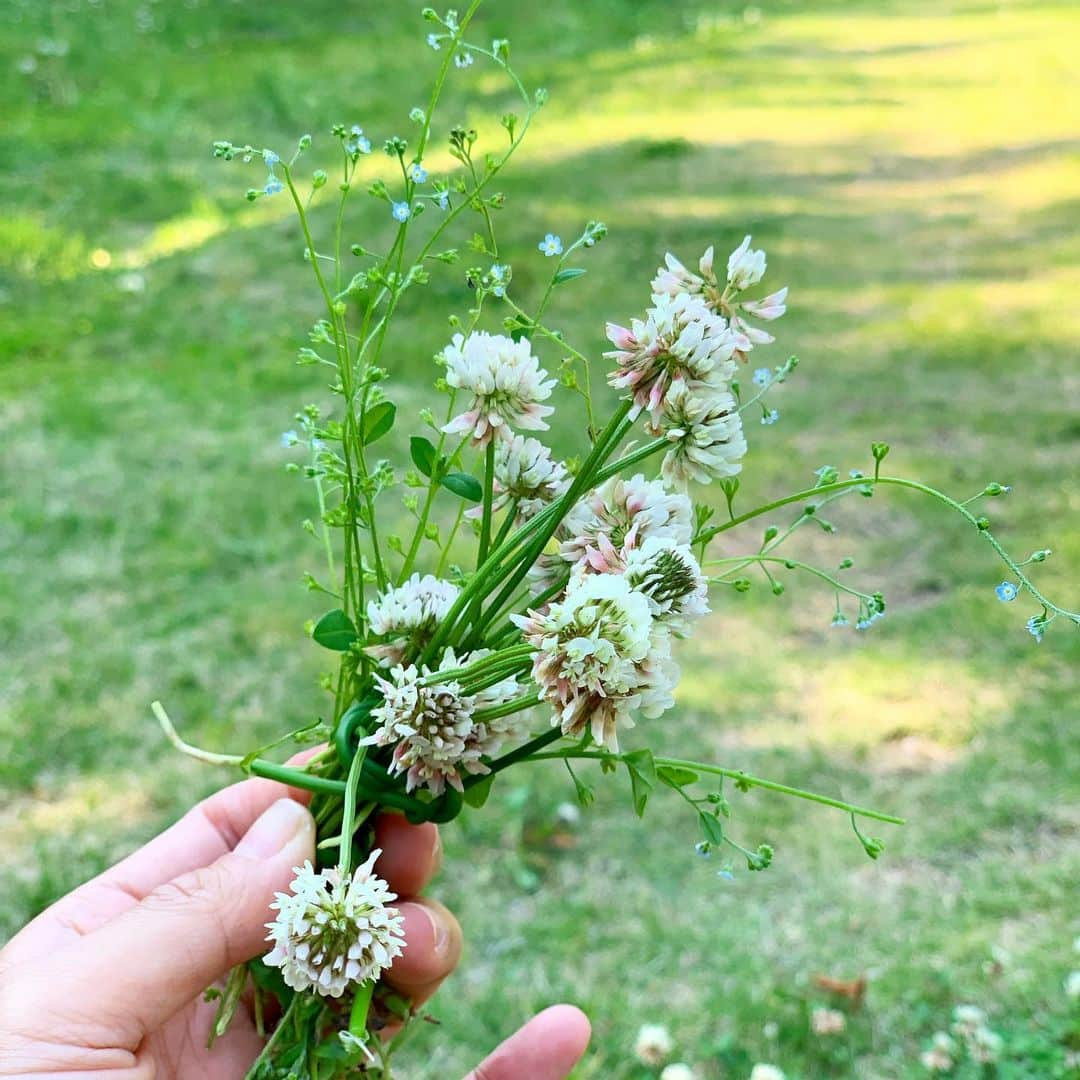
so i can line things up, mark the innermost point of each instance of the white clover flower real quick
(1072, 984)
(745, 266)
(673, 278)
(762, 1071)
(680, 337)
(410, 613)
(967, 1019)
(827, 1022)
(940, 1056)
(705, 431)
(984, 1046)
(600, 657)
(653, 1044)
(432, 728)
(678, 1070)
(506, 381)
(669, 576)
(526, 473)
(333, 931)
(619, 516)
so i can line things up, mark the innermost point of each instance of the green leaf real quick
(676, 777)
(568, 273)
(477, 794)
(422, 453)
(713, 830)
(468, 487)
(378, 421)
(335, 630)
(642, 770)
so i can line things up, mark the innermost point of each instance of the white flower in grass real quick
(984, 1046)
(433, 729)
(705, 431)
(653, 1044)
(678, 1070)
(410, 613)
(940, 1057)
(506, 381)
(622, 514)
(826, 1022)
(333, 931)
(762, 1071)
(600, 657)
(669, 576)
(525, 473)
(745, 266)
(967, 1019)
(1072, 984)
(680, 337)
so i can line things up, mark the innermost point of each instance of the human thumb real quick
(146, 965)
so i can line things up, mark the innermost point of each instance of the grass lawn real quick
(912, 171)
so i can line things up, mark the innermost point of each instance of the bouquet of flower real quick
(534, 612)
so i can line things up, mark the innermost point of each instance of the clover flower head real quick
(332, 931)
(625, 513)
(653, 1044)
(680, 337)
(705, 431)
(940, 1055)
(678, 1070)
(506, 381)
(551, 245)
(600, 657)
(763, 1071)
(967, 1019)
(826, 1022)
(745, 266)
(409, 613)
(526, 473)
(984, 1046)
(431, 727)
(670, 577)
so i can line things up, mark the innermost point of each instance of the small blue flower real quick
(703, 848)
(442, 200)
(551, 245)
(289, 438)
(727, 875)
(270, 158)
(770, 417)
(839, 619)
(463, 60)
(273, 186)
(762, 377)
(358, 142)
(400, 210)
(855, 474)
(1006, 591)
(1036, 626)
(500, 275)
(318, 445)
(864, 624)
(417, 173)
(433, 41)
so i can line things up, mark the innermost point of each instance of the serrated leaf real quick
(477, 794)
(676, 777)
(335, 630)
(422, 453)
(568, 273)
(711, 828)
(468, 487)
(642, 770)
(378, 421)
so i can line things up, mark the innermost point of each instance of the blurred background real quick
(911, 170)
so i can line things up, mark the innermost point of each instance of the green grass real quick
(912, 172)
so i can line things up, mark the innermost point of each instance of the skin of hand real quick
(107, 983)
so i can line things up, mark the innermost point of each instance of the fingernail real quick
(277, 828)
(440, 932)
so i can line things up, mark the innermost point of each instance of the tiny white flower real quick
(331, 932)
(551, 245)
(1072, 984)
(745, 266)
(433, 42)
(506, 381)
(463, 60)
(984, 1046)
(967, 1019)
(653, 1044)
(678, 1070)
(827, 1022)
(763, 1071)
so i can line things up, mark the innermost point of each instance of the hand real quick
(108, 982)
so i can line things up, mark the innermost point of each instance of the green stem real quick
(790, 564)
(349, 811)
(489, 488)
